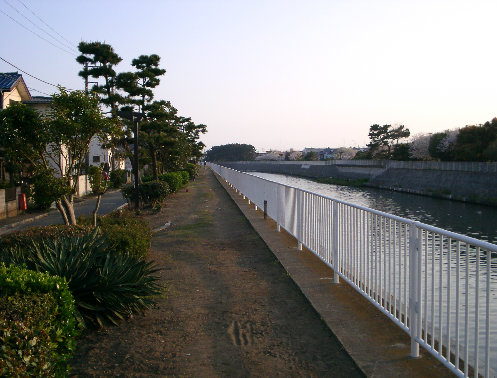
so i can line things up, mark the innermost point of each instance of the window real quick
(96, 159)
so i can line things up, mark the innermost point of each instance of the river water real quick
(477, 221)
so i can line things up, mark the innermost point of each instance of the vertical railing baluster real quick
(368, 254)
(426, 287)
(406, 264)
(449, 246)
(413, 287)
(456, 336)
(335, 242)
(433, 290)
(395, 269)
(466, 320)
(477, 312)
(487, 322)
(440, 296)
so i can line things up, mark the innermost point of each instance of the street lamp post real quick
(135, 117)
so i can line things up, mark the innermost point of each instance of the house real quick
(321, 153)
(39, 103)
(12, 89)
(272, 156)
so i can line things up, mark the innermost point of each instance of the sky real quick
(279, 74)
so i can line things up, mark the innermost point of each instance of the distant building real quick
(272, 156)
(322, 153)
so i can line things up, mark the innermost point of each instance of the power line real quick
(35, 33)
(48, 26)
(36, 90)
(37, 26)
(34, 77)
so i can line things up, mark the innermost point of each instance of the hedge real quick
(23, 239)
(126, 232)
(173, 179)
(38, 326)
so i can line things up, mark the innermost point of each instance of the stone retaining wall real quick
(472, 182)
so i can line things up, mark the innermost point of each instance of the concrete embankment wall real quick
(472, 182)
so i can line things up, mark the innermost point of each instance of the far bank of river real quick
(472, 182)
(477, 221)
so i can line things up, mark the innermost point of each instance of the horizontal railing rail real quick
(434, 284)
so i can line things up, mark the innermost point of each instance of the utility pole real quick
(135, 118)
(86, 77)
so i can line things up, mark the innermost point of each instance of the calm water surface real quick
(477, 221)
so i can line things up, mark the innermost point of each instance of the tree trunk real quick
(62, 211)
(153, 153)
(99, 197)
(69, 207)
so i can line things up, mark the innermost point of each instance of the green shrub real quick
(118, 178)
(192, 170)
(125, 232)
(150, 193)
(154, 192)
(173, 179)
(47, 189)
(38, 327)
(185, 176)
(107, 285)
(128, 192)
(24, 239)
(99, 180)
(147, 178)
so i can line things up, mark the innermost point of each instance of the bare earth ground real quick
(231, 309)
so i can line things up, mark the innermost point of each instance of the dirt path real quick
(231, 309)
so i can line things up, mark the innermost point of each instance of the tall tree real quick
(99, 60)
(477, 143)
(383, 138)
(158, 131)
(57, 143)
(139, 85)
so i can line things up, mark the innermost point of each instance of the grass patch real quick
(193, 230)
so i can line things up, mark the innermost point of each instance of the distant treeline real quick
(231, 152)
(470, 143)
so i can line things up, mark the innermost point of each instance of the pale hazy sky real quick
(282, 74)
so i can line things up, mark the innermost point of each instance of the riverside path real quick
(232, 308)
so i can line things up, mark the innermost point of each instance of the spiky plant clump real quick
(107, 285)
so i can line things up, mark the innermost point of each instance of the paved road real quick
(110, 201)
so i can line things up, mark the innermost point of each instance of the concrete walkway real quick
(379, 348)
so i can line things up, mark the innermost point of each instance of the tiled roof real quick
(39, 100)
(8, 79)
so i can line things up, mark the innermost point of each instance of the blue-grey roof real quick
(8, 80)
(38, 100)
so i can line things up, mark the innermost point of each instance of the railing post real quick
(278, 199)
(334, 222)
(414, 292)
(300, 223)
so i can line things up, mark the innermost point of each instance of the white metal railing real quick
(436, 285)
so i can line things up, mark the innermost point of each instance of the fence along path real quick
(434, 284)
